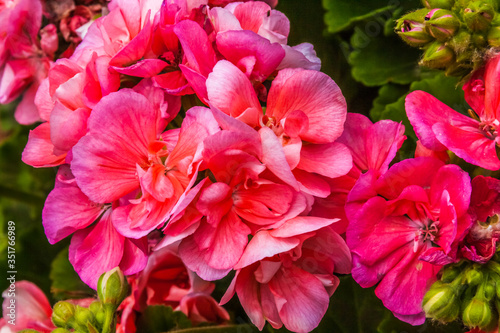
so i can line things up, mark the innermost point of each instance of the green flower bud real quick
(60, 330)
(445, 4)
(441, 303)
(84, 316)
(98, 311)
(63, 314)
(112, 287)
(477, 313)
(450, 273)
(478, 15)
(474, 277)
(458, 69)
(441, 24)
(437, 55)
(489, 290)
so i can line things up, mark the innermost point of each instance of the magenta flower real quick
(403, 227)
(474, 139)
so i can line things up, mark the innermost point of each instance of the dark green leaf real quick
(65, 281)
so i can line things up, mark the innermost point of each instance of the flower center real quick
(490, 129)
(427, 232)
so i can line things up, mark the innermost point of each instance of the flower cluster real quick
(193, 142)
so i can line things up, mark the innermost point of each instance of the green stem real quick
(109, 325)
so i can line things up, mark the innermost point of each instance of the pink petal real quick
(230, 91)
(236, 45)
(492, 89)
(143, 68)
(39, 151)
(26, 111)
(469, 143)
(104, 161)
(326, 113)
(135, 256)
(300, 56)
(331, 160)
(301, 309)
(67, 126)
(96, 250)
(457, 183)
(67, 210)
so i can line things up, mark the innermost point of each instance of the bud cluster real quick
(100, 315)
(454, 35)
(468, 291)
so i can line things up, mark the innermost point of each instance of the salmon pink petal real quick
(264, 245)
(104, 161)
(331, 160)
(215, 202)
(67, 126)
(353, 137)
(174, 83)
(194, 259)
(301, 225)
(313, 93)
(26, 111)
(156, 183)
(96, 250)
(230, 91)
(383, 140)
(238, 45)
(247, 289)
(39, 151)
(197, 82)
(224, 243)
(67, 210)
(274, 157)
(469, 143)
(301, 309)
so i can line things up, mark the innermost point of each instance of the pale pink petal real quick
(247, 289)
(26, 111)
(275, 27)
(300, 56)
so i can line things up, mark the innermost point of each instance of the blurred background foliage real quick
(375, 70)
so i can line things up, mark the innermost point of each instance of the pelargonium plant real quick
(209, 176)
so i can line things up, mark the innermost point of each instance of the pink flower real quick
(166, 281)
(373, 147)
(480, 243)
(286, 275)
(28, 309)
(403, 227)
(473, 139)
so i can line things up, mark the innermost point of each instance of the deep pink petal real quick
(135, 256)
(143, 68)
(458, 185)
(469, 143)
(67, 126)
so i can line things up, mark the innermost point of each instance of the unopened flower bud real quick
(445, 4)
(83, 316)
(98, 311)
(441, 303)
(477, 313)
(411, 28)
(441, 23)
(478, 15)
(112, 287)
(474, 277)
(437, 55)
(60, 330)
(63, 314)
(489, 290)
(450, 274)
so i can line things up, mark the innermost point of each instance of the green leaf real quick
(387, 94)
(161, 318)
(65, 281)
(379, 60)
(341, 14)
